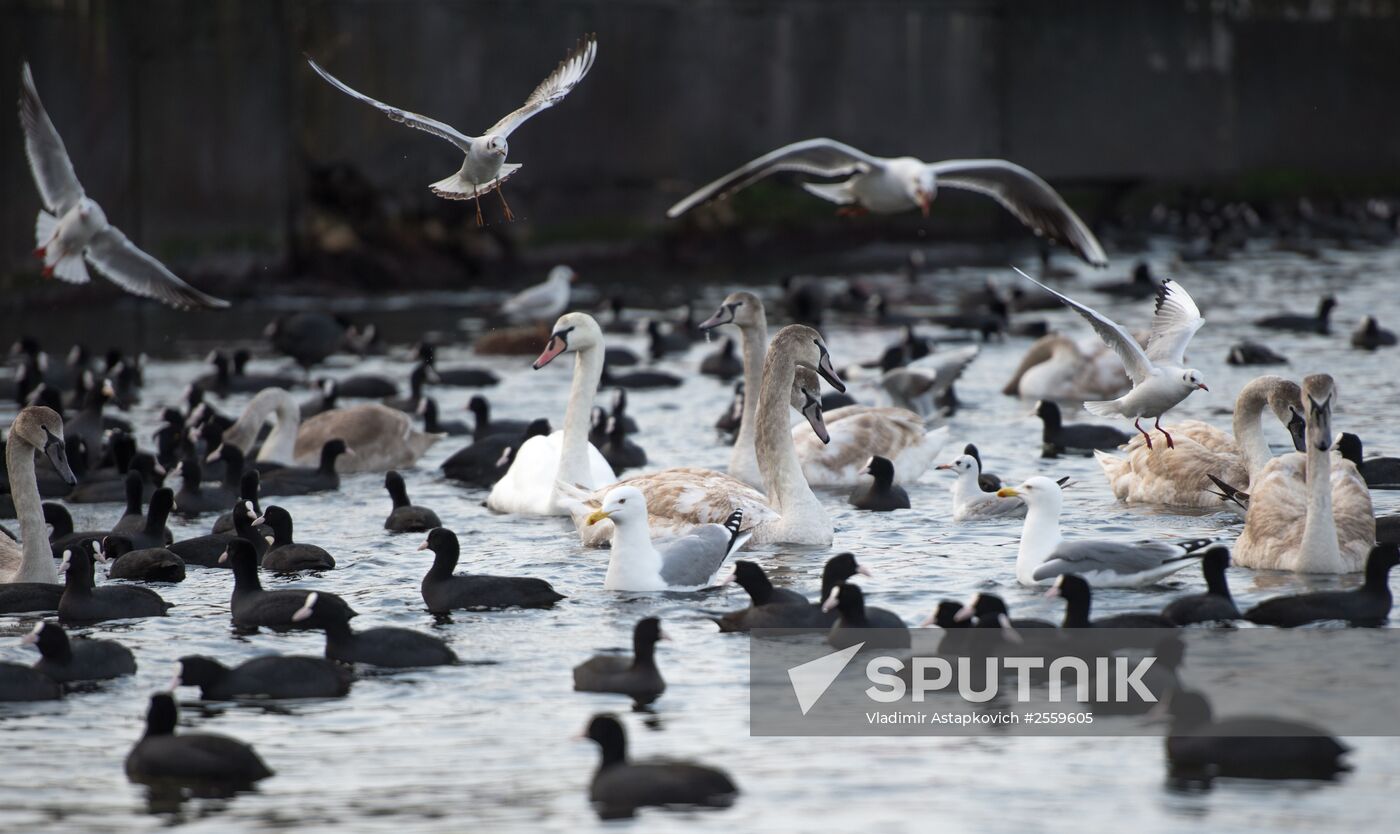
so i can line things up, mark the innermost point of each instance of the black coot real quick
(149, 564)
(385, 646)
(286, 555)
(161, 757)
(1368, 605)
(405, 517)
(83, 603)
(1198, 746)
(620, 787)
(881, 494)
(274, 676)
(1057, 437)
(71, 661)
(443, 591)
(252, 607)
(636, 676)
(1216, 604)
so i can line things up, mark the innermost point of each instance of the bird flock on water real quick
(678, 529)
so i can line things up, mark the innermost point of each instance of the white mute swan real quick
(681, 499)
(529, 487)
(382, 438)
(35, 429)
(1309, 512)
(1181, 477)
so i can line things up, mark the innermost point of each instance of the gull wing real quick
(822, 157)
(48, 159)
(1177, 319)
(1025, 195)
(423, 123)
(552, 90)
(1130, 353)
(140, 274)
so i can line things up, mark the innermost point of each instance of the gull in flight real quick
(71, 226)
(485, 168)
(887, 186)
(1159, 379)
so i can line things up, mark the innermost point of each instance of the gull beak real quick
(597, 516)
(923, 199)
(944, 466)
(555, 346)
(1008, 492)
(1202, 386)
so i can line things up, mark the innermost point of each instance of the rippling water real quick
(487, 745)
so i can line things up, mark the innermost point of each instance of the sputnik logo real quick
(812, 679)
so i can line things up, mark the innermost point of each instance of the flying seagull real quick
(889, 186)
(72, 227)
(1159, 379)
(485, 168)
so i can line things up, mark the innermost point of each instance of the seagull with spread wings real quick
(485, 168)
(1159, 377)
(72, 227)
(887, 186)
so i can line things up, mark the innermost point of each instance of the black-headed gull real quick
(485, 168)
(1159, 377)
(71, 226)
(891, 185)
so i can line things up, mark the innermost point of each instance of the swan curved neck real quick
(1039, 537)
(1319, 546)
(280, 446)
(1248, 428)
(36, 563)
(574, 466)
(786, 486)
(754, 339)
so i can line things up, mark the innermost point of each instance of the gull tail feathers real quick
(456, 187)
(44, 226)
(834, 192)
(737, 539)
(1102, 408)
(71, 268)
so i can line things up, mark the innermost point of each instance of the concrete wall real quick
(192, 121)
